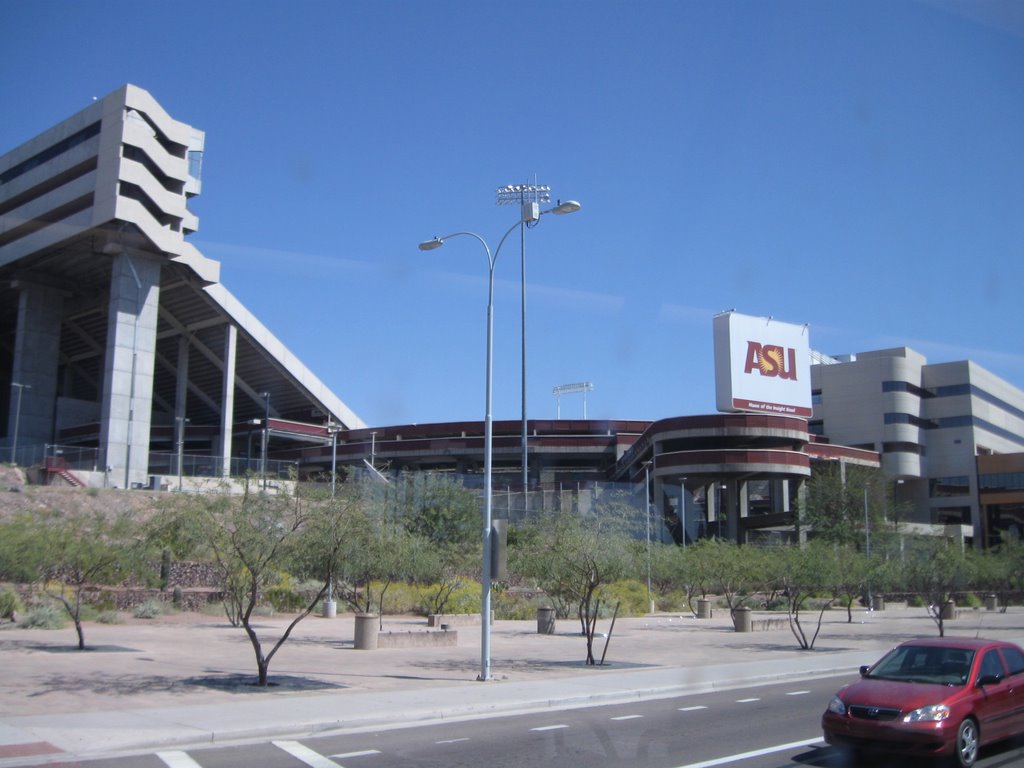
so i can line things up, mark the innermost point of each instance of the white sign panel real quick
(762, 365)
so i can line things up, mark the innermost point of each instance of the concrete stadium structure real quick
(114, 330)
(125, 362)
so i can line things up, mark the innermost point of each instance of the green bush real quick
(10, 603)
(44, 616)
(109, 617)
(149, 610)
(284, 599)
(630, 595)
(515, 607)
(969, 600)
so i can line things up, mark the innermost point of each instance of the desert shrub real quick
(673, 601)
(10, 603)
(148, 610)
(109, 617)
(513, 606)
(88, 612)
(290, 596)
(969, 600)
(629, 594)
(399, 598)
(44, 616)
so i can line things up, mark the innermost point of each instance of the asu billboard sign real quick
(762, 365)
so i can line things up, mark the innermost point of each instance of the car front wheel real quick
(966, 744)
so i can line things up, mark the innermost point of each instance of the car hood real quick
(903, 696)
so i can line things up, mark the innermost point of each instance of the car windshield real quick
(925, 664)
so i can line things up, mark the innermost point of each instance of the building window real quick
(905, 386)
(957, 485)
(952, 516)
(909, 418)
(815, 397)
(899, 447)
(816, 427)
(1002, 481)
(195, 164)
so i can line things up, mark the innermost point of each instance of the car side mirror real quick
(989, 680)
(864, 670)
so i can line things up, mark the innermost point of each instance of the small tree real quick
(798, 573)
(849, 576)
(735, 571)
(571, 558)
(66, 553)
(253, 540)
(937, 568)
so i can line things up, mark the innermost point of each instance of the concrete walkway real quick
(186, 680)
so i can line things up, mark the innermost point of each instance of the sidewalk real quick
(187, 680)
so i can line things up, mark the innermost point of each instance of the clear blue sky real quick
(857, 166)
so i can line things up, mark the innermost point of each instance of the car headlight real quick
(836, 706)
(931, 714)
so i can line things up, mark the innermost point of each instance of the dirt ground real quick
(17, 495)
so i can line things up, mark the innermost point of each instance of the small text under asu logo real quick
(771, 360)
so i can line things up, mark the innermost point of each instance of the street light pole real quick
(265, 439)
(485, 588)
(17, 420)
(181, 422)
(334, 429)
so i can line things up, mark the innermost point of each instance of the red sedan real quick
(932, 697)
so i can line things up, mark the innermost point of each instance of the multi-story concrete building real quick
(930, 422)
(114, 330)
(118, 340)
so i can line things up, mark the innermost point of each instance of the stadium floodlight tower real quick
(571, 389)
(529, 197)
(485, 599)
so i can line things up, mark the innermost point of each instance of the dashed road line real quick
(753, 753)
(360, 753)
(452, 741)
(747, 701)
(797, 693)
(175, 759)
(549, 727)
(627, 717)
(305, 754)
(692, 709)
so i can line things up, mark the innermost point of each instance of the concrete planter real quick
(703, 609)
(545, 621)
(367, 630)
(741, 620)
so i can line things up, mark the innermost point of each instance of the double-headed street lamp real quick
(485, 594)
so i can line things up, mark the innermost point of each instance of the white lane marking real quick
(177, 760)
(360, 753)
(549, 727)
(746, 701)
(627, 717)
(797, 693)
(692, 709)
(452, 741)
(754, 753)
(305, 754)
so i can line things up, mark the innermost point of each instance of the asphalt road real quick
(770, 726)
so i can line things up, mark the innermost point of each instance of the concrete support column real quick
(801, 505)
(36, 357)
(127, 397)
(731, 509)
(227, 413)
